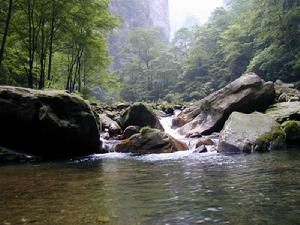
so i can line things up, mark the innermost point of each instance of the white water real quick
(167, 125)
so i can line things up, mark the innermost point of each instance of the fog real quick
(183, 12)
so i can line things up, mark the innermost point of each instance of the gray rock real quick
(250, 132)
(284, 111)
(50, 124)
(113, 127)
(247, 94)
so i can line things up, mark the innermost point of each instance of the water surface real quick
(180, 188)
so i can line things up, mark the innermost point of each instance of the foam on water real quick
(166, 122)
(190, 154)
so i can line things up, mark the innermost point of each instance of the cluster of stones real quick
(248, 115)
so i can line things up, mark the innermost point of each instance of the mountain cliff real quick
(152, 14)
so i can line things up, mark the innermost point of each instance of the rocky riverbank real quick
(251, 114)
(247, 115)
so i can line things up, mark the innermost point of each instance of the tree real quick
(6, 28)
(57, 43)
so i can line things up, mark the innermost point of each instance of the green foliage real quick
(254, 36)
(58, 44)
(150, 69)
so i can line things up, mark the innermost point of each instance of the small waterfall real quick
(166, 122)
(108, 145)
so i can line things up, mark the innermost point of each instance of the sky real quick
(181, 9)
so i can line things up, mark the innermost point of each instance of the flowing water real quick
(179, 188)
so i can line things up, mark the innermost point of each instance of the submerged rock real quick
(50, 124)
(140, 115)
(200, 149)
(284, 111)
(150, 141)
(251, 132)
(247, 94)
(9, 157)
(204, 141)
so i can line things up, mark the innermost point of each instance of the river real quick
(179, 188)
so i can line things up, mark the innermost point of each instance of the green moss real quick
(291, 126)
(292, 130)
(274, 138)
(145, 130)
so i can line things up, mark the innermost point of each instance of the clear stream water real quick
(180, 188)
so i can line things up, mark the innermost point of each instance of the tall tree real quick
(6, 29)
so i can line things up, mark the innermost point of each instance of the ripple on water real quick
(184, 188)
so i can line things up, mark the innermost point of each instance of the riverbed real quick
(180, 188)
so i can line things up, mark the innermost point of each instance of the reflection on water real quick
(184, 189)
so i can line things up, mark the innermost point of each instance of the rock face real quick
(284, 111)
(247, 94)
(152, 14)
(250, 132)
(151, 141)
(139, 115)
(51, 124)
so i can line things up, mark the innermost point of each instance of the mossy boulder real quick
(129, 131)
(150, 141)
(292, 130)
(50, 124)
(140, 115)
(251, 132)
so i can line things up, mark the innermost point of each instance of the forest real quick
(63, 45)
(58, 44)
(109, 116)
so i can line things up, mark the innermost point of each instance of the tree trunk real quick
(51, 42)
(30, 39)
(42, 56)
(6, 30)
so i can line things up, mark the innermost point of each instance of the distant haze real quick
(187, 12)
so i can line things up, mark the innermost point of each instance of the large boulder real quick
(284, 111)
(51, 124)
(140, 115)
(247, 94)
(251, 132)
(112, 126)
(151, 141)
